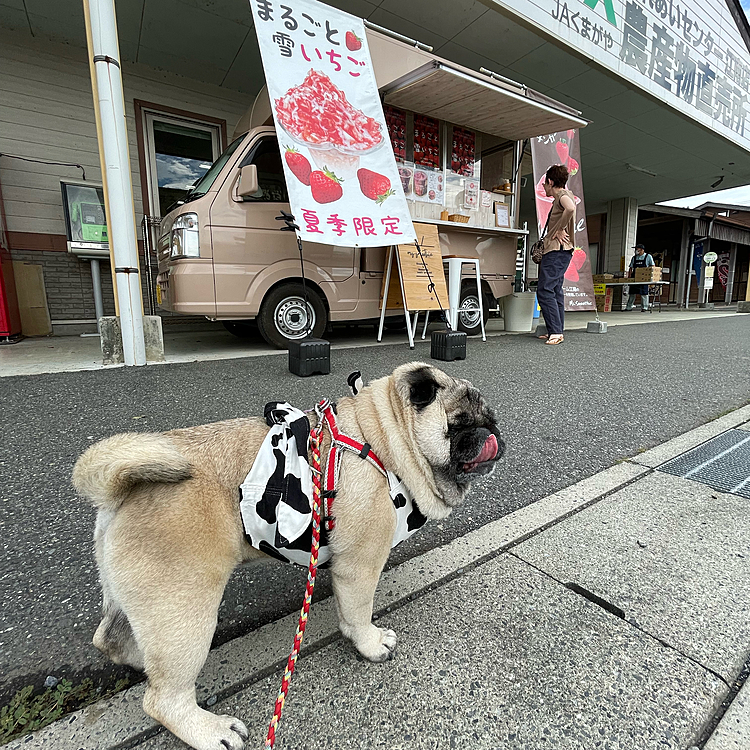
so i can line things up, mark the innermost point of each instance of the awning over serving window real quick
(475, 101)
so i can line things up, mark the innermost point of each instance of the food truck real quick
(457, 137)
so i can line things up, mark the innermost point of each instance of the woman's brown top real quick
(556, 223)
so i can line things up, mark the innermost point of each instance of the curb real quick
(734, 728)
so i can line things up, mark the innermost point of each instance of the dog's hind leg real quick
(114, 636)
(176, 640)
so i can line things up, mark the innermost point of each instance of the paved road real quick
(566, 412)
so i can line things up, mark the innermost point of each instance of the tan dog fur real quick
(169, 533)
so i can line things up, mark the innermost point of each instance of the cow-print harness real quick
(276, 496)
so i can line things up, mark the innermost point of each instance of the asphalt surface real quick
(565, 412)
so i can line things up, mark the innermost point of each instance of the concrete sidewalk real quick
(613, 614)
(48, 354)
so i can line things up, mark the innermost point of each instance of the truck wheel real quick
(284, 318)
(468, 310)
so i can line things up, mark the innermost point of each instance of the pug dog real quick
(169, 533)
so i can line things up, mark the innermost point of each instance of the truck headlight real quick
(184, 240)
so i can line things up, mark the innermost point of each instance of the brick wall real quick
(70, 294)
(67, 280)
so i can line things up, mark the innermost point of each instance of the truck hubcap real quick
(292, 319)
(468, 311)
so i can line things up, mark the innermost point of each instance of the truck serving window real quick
(204, 184)
(271, 183)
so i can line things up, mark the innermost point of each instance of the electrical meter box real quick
(85, 219)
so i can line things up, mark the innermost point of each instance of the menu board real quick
(426, 141)
(463, 151)
(420, 270)
(471, 194)
(428, 185)
(395, 120)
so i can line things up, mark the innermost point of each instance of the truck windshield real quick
(204, 184)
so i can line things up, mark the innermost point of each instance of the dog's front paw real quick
(226, 733)
(376, 644)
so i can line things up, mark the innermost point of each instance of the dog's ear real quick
(423, 388)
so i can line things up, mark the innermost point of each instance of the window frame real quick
(145, 112)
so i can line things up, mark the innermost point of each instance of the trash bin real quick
(519, 311)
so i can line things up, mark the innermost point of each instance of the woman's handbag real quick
(537, 249)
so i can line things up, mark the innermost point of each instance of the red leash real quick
(315, 436)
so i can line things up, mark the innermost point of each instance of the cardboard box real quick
(604, 301)
(653, 273)
(601, 278)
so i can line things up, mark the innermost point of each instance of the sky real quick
(739, 196)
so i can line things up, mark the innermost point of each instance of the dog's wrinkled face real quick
(454, 428)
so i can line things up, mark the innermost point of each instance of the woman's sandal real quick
(554, 340)
(544, 336)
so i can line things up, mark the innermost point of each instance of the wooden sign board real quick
(414, 276)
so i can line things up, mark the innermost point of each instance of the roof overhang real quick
(718, 230)
(446, 93)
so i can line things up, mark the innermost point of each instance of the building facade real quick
(665, 86)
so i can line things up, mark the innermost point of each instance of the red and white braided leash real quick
(327, 418)
(315, 436)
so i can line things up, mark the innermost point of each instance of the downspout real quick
(101, 27)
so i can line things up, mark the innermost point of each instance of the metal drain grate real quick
(722, 463)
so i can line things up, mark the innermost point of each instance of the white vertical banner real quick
(341, 175)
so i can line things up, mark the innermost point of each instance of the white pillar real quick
(622, 228)
(113, 144)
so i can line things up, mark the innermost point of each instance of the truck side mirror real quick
(248, 184)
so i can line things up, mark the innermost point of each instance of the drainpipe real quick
(109, 103)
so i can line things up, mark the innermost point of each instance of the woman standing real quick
(558, 250)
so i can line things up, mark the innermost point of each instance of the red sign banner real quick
(564, 148)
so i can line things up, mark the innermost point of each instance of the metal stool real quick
(455, 265)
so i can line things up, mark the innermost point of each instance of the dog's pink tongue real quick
(489, 450)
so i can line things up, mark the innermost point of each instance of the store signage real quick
(722, 269)
(688, 53)
(343, 184)
(564, 148)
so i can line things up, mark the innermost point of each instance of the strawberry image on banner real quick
(341, 175)
(564, 148)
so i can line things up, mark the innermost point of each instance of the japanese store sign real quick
(688, 53)
(564, 148)
(343, 185)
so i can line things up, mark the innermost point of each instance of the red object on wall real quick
(10, 318)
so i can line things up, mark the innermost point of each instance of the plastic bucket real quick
(519, 311)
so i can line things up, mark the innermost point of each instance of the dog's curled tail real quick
(107, 471)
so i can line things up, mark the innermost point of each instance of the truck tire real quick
(468, 310)
(283, 318)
